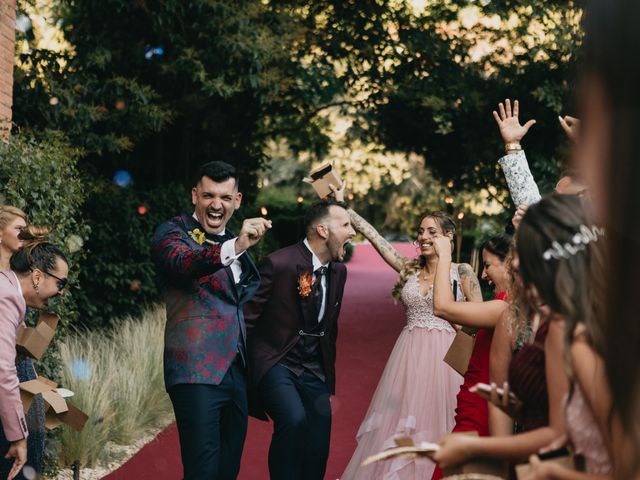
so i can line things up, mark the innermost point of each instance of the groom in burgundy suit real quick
(292, 330)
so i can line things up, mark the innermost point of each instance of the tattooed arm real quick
(384, 248)
(469, 283)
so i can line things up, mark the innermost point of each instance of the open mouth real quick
(426, 245)
(214, 219)
(344, 247)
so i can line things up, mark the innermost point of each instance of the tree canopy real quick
(157, 87)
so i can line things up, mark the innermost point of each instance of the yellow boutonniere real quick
(197, 235)
(305, 284)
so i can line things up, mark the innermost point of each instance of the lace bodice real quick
(420, 307)
(522, 187)
(584, 433)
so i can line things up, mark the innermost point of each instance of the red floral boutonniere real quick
(305, 284)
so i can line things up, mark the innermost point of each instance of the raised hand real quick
(252, 231)
(517, 217)
(509, 124)
(338, 192)
(571, 126)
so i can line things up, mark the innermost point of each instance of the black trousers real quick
(301, 413)
(212, 425)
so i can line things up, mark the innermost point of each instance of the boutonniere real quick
(197, 236)
(305, 284)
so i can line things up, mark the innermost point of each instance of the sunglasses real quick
(60, 282)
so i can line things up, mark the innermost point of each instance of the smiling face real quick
(215, 202)
(494, 271)
(339, 232)
(428, 228)
(48, 284)
(9, 235)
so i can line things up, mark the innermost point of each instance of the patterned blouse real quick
(522, 187)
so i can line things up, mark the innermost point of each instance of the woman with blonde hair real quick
(416, 395)
(13, 232)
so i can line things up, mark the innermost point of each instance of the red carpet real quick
(369, 326)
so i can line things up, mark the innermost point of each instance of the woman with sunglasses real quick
(38, 272)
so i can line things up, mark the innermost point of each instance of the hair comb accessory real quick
(578, 243)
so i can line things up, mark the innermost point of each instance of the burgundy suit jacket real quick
(12, 311)
(277, 312)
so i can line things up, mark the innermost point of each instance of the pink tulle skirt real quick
(416, 397)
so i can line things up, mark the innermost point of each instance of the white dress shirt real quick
(323, 283)
(228, 255)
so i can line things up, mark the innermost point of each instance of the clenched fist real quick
(252, 231)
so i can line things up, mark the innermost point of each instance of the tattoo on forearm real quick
(467, 274)
(385, 249)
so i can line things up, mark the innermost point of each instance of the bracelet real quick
(511, 147)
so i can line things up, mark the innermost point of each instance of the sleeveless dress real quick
(584, 433)
(528, 380)
(472, 411)
(416, 395)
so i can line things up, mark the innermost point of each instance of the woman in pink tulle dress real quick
(416, 396)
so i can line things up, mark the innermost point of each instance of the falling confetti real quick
(23, 23)
(150, 52)
(122, 178)
(80, 369)
(74, 243)
(53, 101)
(120, 105)
(135, 285)
(29, 472)
(142, 210)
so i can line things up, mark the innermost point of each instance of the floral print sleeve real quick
(522, 187)
(177, 254)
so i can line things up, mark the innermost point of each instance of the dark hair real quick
(36, 251)
(218, 172)
(319, 211)
(570, 285)
(499, 245)
(611, 38)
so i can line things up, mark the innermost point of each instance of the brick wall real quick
(7, 39)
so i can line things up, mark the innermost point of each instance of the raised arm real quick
(473, 313)
(384, 248)
(522, 187)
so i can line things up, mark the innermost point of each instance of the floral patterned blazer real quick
(205, 323)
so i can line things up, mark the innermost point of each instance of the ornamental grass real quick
(117, 380)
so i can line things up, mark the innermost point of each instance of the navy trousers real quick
(301, 413)
(212, 425)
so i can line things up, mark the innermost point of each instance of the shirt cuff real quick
(228, 252)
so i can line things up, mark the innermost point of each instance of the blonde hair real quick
(8, 214)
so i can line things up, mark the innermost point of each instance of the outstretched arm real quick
(522, 187)
(384, 248)
(474, 312)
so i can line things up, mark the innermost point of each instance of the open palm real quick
(509, 123)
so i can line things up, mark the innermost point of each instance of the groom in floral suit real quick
(293, 327)
(207, 275)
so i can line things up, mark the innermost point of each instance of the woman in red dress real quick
(471, 411)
